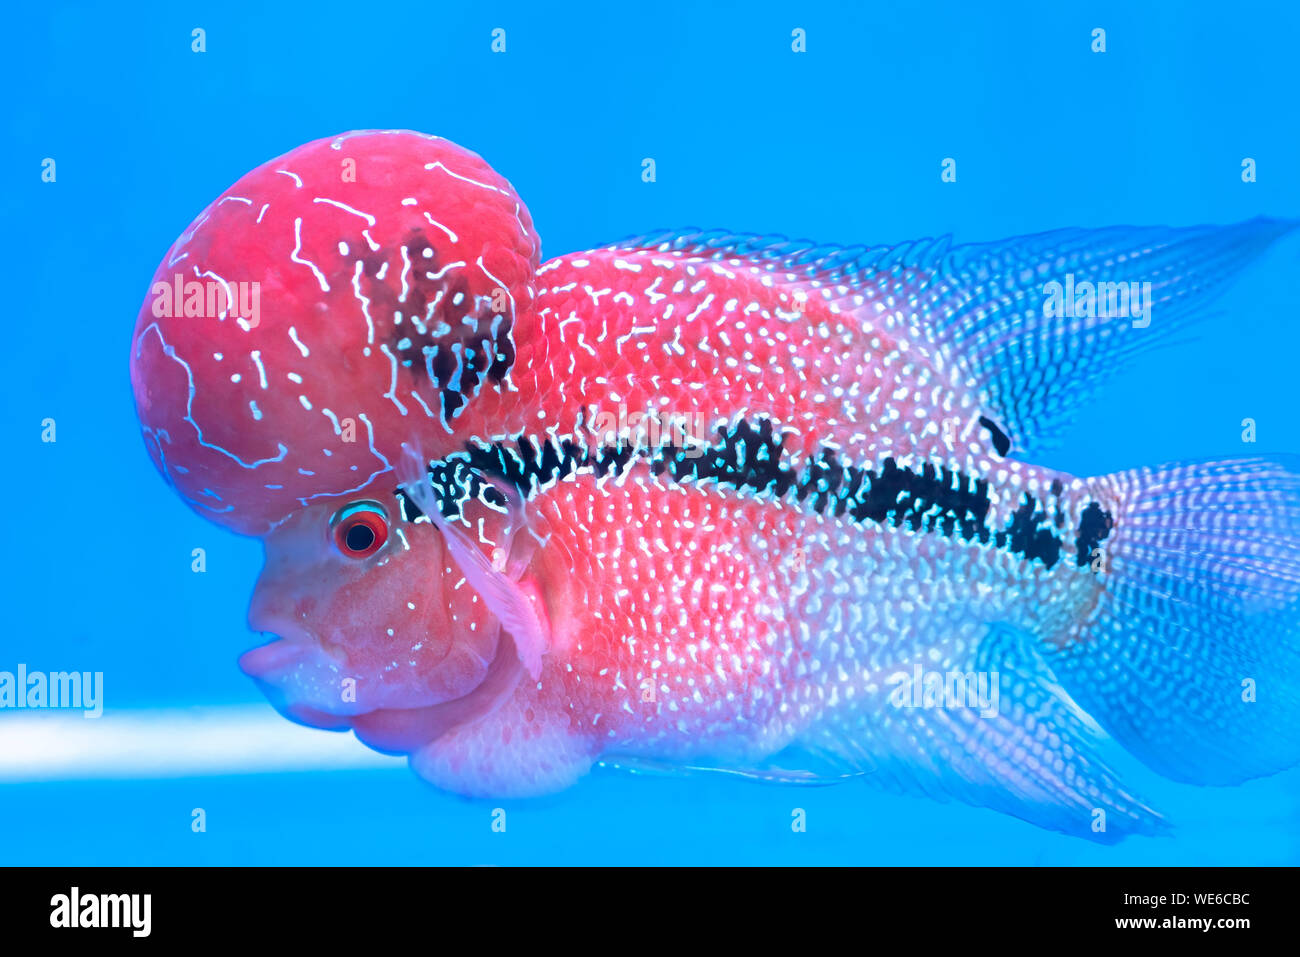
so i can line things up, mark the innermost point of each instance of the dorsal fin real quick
(988, 309)
(983, 304)
(804, 258)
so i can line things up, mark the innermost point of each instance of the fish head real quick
(371, 618)
(328, 306)
(334, 309)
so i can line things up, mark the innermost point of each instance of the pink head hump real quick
(336, 302)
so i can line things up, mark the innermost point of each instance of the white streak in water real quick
(172, 743)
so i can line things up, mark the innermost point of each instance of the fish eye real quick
(360, 529)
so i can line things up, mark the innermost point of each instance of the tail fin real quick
(1191, 656)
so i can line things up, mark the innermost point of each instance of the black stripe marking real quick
(1094, 525)
(933, 499)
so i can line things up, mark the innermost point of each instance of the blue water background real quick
(841, 144)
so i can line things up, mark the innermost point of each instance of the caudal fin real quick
(1191, 655)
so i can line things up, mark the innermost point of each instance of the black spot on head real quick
(445, 338)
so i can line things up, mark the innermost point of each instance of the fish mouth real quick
(391, 730)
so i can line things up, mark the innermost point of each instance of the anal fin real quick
(1031, 752)
(786, 767)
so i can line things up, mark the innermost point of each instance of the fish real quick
(701, 502)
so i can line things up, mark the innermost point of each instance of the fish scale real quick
(645, 620)
(747, 350)
(845, 571)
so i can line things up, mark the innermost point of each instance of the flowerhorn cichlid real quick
(710, 501)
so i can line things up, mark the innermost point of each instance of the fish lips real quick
(303, 684)
(343, 680)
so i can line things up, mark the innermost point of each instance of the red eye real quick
(360, 530)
